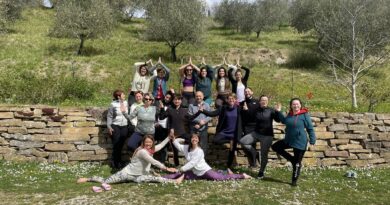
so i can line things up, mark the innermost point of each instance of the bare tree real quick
(175, 22)
(353, 38)
(83, 20)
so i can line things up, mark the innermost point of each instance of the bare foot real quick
(82, 180)
(180, 179)
(247, 176)
(229, 171)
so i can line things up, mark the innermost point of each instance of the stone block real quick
(80, 130)
(337, 115)
(368, 156)
(386, 122)
(386, 144)
(322, 142)
(81, 156)
(46, 131)
(33, 124)
(17, 130)
(332, 162)
(211, 130)
(320, 129)
(357, 163)
(6, 150)
(331, 153)
(311, 162)
(349, 147)
(383, 128)
(26, 144)
(105, 151)
(11, 123)
(363, 128)
(88, 147)
(39, 154)
(359, 151)
(319, 148)
(310, 154)
(370, 116)
(377, 161)
(17, 158)
(61, 138)
(325, 135)
(57, 157)
(337, 127)
(85, 124)
(334, 142)
(76, 118)
(59, 147)
(346, 121)
(6, 115)
(370, 145)
(318, 114)
(383, 116)
(80, 113)
(17, 136)
(59, 124)
(351, 136)
(94, 141)
(3, 141)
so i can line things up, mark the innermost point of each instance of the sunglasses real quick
(148, 99)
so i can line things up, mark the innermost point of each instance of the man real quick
(199, 124)
(249, 121)
(263, 132)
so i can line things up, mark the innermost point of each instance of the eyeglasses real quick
(148, 99)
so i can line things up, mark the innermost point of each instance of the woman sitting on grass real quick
(139, 168)
(196, 166)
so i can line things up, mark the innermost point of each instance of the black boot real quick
(230, 159)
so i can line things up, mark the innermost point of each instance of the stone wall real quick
(52, 134)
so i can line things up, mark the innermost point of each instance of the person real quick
(229, 127)
(177, 122)
(196, 166)
(160, 87)
(161, 127)
(204, 81)
(117, 124)
(138, 170)
(138, 95)
(239, 83)
(200, 123)
(146, 116)
(249, 122)
(264, 132)
(189, 78)
(223, 85)
(141, 79)
(297, 120)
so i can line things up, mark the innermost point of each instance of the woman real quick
(189, 73)
(146, 116)
(141, 80)
(139, 168)
(297, 120)
(117, 126)
(223, 86)
(203, 84)
(196, 166)
(160, 82)
(238, 82)
(229, 128)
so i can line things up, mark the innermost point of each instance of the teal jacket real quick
(296, 136)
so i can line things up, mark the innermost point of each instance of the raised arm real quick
(177, 143)
(212, 113)
(247, 72)
(161, 145)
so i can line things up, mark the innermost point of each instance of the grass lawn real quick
(30, 183)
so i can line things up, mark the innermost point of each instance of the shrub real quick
(307, 59)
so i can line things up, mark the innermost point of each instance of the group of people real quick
(181, 119)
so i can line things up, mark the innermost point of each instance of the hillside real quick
(28, 53)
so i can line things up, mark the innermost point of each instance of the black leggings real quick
(119, 137)
(280, 148)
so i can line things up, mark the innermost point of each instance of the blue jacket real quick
(296, 136)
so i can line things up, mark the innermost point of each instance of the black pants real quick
(296, 160)
(119, 137)
(188, 98)
(221, 139)
(160, 135)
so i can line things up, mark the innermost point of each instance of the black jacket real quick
(264, 120)
(249, 116)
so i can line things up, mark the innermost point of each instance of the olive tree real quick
(353, 36)
(83, 20)
(175, 22)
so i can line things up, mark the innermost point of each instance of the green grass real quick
(108, 62)
(30, 183)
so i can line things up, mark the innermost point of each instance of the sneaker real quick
(260, 175)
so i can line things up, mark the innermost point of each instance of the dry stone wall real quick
(52, 134)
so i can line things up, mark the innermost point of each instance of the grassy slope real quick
(110, 61)
(27, 183)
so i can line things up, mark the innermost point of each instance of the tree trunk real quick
(353, 93)
(173, 53)
(257, 34)
(81, 45)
